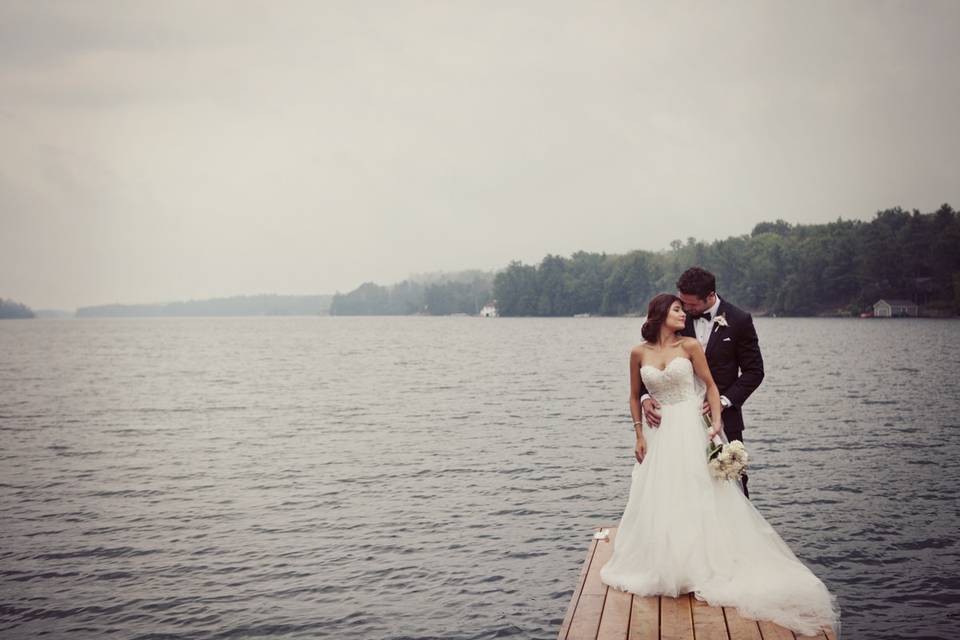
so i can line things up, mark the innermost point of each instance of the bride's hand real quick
(640, 451)
(715, 431)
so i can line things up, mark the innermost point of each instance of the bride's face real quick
(676, 318)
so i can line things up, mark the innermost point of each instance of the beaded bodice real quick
(674, 383)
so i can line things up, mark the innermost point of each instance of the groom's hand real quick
(651, 412)
(706, 408)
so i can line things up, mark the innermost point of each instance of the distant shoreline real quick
(464, 317)
(235, 306)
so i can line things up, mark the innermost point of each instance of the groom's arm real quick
(750, 362)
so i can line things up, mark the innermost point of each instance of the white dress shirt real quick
(702, 327)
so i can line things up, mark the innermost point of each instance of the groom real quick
(730, 342)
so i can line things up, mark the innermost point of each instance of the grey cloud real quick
(221, 148)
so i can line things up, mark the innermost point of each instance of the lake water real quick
(423, 478)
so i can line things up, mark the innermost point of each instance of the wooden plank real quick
(645, 618)
(613, 536)
(575, 598)
(739, 627)
(615, 620)
(773, 631)
(599, 612)
(676, 620)
(708, 622)
(593, 585)
(586, 619)
(615, 615)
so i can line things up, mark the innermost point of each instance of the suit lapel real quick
(715, 331)
(688, 329)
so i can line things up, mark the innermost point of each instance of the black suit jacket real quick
(733, 355)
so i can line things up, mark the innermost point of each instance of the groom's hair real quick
(698, 282)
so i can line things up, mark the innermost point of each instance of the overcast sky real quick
(155, 151)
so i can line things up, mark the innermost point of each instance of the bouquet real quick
(725, 460)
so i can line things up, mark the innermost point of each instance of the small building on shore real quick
(895, 309)
(489, 310)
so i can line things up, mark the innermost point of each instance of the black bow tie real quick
(706, 315)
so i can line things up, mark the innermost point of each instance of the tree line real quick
(13, 309)
(841, 267)
(461, 292)
(256, 305)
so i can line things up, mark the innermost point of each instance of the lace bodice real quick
(675, 383)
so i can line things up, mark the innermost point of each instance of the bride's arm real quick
(635, 410)
(702, 369)
(640, 449)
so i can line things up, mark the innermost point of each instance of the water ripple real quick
(433, 477)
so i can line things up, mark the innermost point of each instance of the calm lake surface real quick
(434, 477)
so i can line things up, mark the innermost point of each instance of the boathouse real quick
(894, 309)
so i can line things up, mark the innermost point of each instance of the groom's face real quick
(695, 305)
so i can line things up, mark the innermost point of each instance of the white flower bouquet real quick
(726, 460)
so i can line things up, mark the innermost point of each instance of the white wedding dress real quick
(682, 531)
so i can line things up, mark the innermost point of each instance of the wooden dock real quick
(599, 612)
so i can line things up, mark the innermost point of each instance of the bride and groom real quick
(682, 530)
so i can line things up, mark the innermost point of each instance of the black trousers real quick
(738, 435)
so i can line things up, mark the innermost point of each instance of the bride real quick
(682, 530)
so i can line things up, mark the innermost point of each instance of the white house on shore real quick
(489, 310)
(894, 309)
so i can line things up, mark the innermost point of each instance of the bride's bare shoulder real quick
(689, 344)
(638, 351)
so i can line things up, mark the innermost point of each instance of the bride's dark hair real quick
(657, 312)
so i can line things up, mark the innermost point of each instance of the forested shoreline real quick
(255, 305)
(461, 292)
(13, 309)
(838, 268)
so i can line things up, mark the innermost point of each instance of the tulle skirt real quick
(682, 531)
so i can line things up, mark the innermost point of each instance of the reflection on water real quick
(434, 477)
